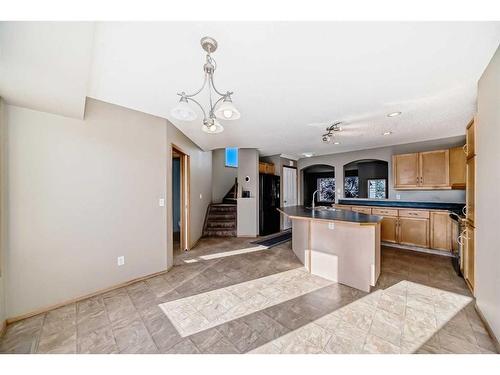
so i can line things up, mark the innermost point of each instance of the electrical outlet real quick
(120, 260)
(331, 225)
(398, 196)
(161, 202)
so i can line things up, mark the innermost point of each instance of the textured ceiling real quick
(290, 79)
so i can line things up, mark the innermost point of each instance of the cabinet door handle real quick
(465, 148)
(464, 210)
(464, 235)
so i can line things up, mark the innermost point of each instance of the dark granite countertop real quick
(453, 207)
(333, 214)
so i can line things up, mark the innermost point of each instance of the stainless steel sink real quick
(322, 208)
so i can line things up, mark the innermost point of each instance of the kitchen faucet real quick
(313, 205)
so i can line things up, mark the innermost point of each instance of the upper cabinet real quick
(470, 145)
(434, 169)
(406, 173)
(440, 169)
(266, 168)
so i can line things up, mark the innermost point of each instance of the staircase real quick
(220, 220)
(232, 195)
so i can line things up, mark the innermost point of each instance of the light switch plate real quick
(331, 225)
(201, 196)
(161, 202)
(120, 260)
(398, 196)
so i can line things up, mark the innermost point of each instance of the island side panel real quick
(376, 271)
(300, 240)
(354, 245)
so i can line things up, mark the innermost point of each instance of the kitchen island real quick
(339, 245)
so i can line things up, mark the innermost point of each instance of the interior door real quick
(289, 192)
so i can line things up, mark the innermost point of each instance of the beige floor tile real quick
(376, 345)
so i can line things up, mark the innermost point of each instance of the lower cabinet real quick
(467, 238)
(389, 229)
(441, 228)
(415, 227)
(414, 231)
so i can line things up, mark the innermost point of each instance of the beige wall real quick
(248, 208)
(385, 153)
(487, 202)
(2, 214)
(83, 192)
(223, 177)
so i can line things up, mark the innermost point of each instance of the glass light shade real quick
(227, 111)
(212, 127)
(183, 111)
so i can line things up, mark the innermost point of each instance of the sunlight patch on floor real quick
(206, 310)
(399, 319)
(226, 254)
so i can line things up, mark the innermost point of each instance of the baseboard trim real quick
(488, 327)
(418, 249)
(81, 298)
(3, 328)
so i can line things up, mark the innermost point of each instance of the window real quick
(232, 157)
(326, 189)
(351, 187)
(376, 189)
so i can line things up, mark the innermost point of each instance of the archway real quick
(321, 178)
(366, 178)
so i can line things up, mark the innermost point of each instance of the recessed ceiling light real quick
(336, 143)
(308, 154)
(387, 133)
(393, 114)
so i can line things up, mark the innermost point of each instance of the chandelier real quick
(220, 104)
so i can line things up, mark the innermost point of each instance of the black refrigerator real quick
(269, 202)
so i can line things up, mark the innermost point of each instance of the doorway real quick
(180, 201)
(289, 191)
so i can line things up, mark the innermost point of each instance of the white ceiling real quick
(45, 65)
(287, 76)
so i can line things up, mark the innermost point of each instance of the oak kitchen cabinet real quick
(429, 170)
(467, 237)
(413, 231)
(469, 253)
(414, 227)
(266, 168)
(441, 231)
(406, 172)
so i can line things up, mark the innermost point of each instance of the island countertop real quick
(302, 212)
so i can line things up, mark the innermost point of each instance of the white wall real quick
(487, 288)
(248, 208)
(385, 153)
(81, 193)
(222, 177)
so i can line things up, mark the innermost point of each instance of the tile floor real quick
(133, 319)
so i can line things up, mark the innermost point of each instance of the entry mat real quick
(276, 239)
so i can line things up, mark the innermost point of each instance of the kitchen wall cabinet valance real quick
(440, 169)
